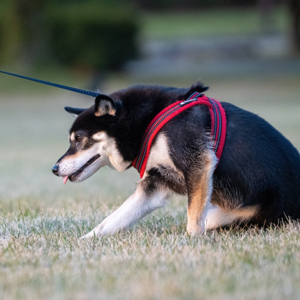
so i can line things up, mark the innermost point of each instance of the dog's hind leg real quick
(217, 217)
(199, 186)
(138, 205)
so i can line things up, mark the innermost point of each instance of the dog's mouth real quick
(79, 171)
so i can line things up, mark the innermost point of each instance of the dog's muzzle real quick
(76, 174)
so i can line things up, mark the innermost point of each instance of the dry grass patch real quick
(42, 257)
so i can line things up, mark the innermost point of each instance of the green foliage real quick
(98, 35)
(8, 32)
(1, 30)
(89, 34)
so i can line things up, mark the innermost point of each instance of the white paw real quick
(89, 235)
(98, 230)
(194, 229)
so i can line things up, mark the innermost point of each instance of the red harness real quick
(218, 126)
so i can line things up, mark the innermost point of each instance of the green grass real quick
(41, 220)
(207, 23)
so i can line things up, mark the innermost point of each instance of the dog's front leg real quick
(200, 185)
(138, 205)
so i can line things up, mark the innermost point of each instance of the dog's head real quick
(91, 144)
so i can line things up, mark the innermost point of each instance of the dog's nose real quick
(55, 170)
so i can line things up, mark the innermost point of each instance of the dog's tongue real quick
(66, 179)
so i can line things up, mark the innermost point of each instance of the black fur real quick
(259, 167)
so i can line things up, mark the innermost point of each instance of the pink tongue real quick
(66, 179)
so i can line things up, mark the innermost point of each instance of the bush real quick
(99, 36)
(2, 24)
(190, 4)
(8, 33)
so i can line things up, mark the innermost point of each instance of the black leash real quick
(72, 89)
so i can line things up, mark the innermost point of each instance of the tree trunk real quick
(294, 8)
(30, 16)
(266, 8)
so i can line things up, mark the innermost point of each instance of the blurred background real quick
(93, 40)
(247, 51)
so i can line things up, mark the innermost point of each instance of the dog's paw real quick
(98, 230)
(108, 226)
(89, 235)
(195, 229)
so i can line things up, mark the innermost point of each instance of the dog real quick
(256, 180)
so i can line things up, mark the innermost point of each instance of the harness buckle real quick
(190, 100)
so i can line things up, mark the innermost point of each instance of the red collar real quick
(218, 126)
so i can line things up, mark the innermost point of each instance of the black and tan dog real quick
(257, 179)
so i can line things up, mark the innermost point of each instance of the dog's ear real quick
(104, 105)
(74, 111)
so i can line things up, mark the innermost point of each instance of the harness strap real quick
(218, 126)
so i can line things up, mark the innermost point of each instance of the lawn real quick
(208, 23)
(41, 220)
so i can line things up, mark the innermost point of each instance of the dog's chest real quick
(161, 166)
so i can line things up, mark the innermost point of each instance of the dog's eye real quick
(78, 138)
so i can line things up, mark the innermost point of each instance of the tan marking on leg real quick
(200, 196)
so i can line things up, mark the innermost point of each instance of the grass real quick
(43, 258)
(41, 220)
(207, 23)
